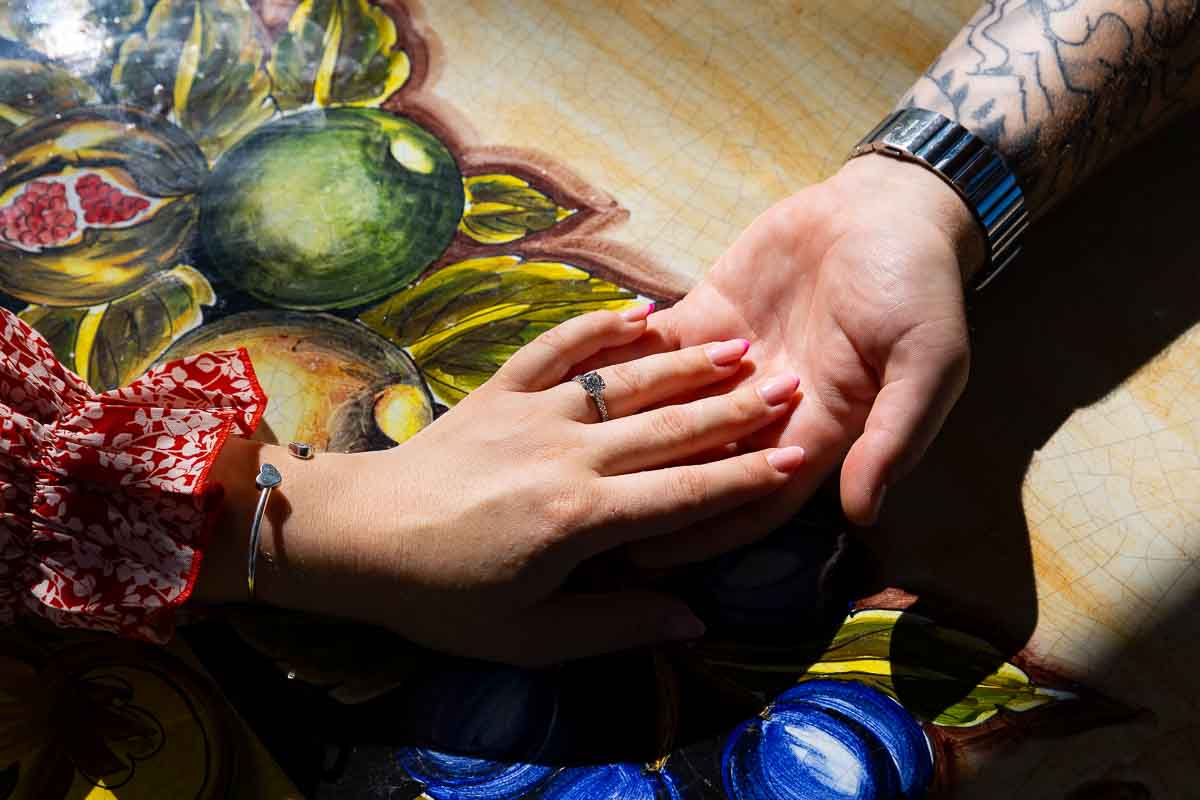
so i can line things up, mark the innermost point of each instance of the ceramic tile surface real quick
(1022, 621)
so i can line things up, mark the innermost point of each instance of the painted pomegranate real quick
(93, 202)
(330, 208)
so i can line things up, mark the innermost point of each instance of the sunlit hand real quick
(856, 285)
(463, 537)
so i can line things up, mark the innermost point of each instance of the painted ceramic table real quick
(383, 201)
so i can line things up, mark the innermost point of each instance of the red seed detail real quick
(41, 215)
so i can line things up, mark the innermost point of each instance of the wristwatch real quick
(970, 166)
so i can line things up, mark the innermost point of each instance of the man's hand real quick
(855, 284)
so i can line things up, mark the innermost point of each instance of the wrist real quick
(903, 188)
(302, 528)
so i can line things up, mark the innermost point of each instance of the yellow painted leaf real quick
(201, 61)
(337, 53)
(463, 321)
(111, 344)
(505, 208)
(32, 88)
(945, 676)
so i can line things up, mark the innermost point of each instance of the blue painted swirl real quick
(887, 720)
(828, 740)
(805, 754)
(453, 777)
(610, 782)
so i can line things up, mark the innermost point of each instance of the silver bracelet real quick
(969, 166)
(268, 478)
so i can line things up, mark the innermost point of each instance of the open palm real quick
(855, 285)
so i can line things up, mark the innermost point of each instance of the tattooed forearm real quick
(1062, 86)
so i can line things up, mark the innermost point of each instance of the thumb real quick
(570, 626)
(905, 418)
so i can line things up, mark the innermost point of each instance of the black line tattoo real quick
(1062, 86)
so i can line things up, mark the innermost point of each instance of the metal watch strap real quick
(969, 165)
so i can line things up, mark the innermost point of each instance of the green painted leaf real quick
(202, 62)
(465, 320)
(111, 344)
(30, 89)
(504, 208)
(941, 675)
(337, 52)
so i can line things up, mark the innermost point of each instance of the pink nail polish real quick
(722, 354)
(779, 389)
(786, 459)
(637, 313)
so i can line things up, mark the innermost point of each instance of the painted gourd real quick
(828, 740)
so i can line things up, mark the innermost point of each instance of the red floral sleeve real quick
(105, 503)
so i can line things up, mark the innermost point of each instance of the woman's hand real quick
(462, 537)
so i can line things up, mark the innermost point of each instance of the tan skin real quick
(853, 285)
(462, 537)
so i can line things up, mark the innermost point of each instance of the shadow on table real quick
(1108, 282)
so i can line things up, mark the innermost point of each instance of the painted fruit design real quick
(448, 776)
(324, 376)
(828, 740)
(609, 782)
(76, 226)
(331, 208)
(489, 725)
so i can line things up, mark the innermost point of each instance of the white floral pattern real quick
(105, 503)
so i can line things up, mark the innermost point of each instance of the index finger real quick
(661, 336)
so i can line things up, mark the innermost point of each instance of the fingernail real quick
(725, 353)
(786, 459)
(779, 389)
(683, 626)
(877, 506)
(638, 313)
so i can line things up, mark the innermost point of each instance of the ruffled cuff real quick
(120, 505)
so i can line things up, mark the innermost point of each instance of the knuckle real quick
(554, 339)
(671, 424)
(602, 322)
(628, 379)
(691, 487)
(567, 511)
(609, 320)
(746, 405)
(754, 470)
(697, 360)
